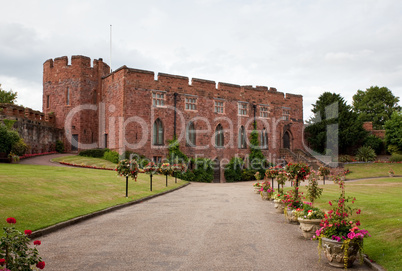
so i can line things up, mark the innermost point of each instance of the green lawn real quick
(40, 196)
(381, 205)
(368, 170)
(88, 161)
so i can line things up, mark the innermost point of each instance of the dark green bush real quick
(396, 158)
(234, 169)
(7, 139)
(375, 143)
(203, 170)
(20, 148)
(96, 153)
(248, 174)
(346, 159)
(59, 146)
(112, 156)
(365, 153)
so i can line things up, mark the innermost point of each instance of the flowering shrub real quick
(29, 155)
(266, 187)
(298, 171)
(271, 172)
(179, 168)
(128, 168)
(310, 212)
(292, 199)
(150, 168)
(323, 171)
(391, 172)
(15, 252)
(165, 169)
(313, 191)
(85, 166)
(257, 184)
(257, 176)
(338, 223)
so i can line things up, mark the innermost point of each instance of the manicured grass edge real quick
(82, 218)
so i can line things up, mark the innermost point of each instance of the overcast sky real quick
(301, 47)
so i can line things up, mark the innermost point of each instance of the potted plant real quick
(14, 159)
(257, 187)
(278, 201)
(281, 179)
(127, 168)
(391, 172)
(323, 172)
(309, 218)
(340, 236)
(292, 204)
(266, 191)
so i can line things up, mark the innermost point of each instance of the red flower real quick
(357, 223)
(11, 220)
(40, 265)
(37, 243)
(358, 211)
(28, 232)
(330, 203)
(2, 261)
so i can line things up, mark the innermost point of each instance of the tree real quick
(393, 131)
(375, 104)
(330, 110)
(8, 97)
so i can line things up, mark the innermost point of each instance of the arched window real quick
(264, 139)
(242, 138)
(219, 137)
(190, 135)
(158, 132)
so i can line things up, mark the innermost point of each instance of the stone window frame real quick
(158, 133)
(264, 111)
(286, 113)
(191, 135)
(158, 98)
(219, 106)
(190, 102)
(242, 109)
(264, 139)
(219, 136)
(242, 142)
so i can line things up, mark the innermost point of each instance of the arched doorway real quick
(217, 171)
(286, 140)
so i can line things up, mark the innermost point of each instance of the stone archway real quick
(286, 140)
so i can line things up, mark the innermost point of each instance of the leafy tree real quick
(375, 104)
(331, 109)
(8, 97)
(393, 132)
(7, 139)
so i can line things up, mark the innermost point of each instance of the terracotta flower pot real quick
(309, 227)
(334, 252)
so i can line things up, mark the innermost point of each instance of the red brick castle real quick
(128, 109)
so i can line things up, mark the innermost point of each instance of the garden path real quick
(199, 227)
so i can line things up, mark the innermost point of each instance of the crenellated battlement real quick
(77, 62)
(20, 112)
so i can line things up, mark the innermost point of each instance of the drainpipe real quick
(175, 115)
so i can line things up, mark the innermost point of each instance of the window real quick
(157, 160)
(47, 101)
(158, 99)
(242, 138)
(243, 109)
(219, 137)
(68, 96)
(191, 103)
(158, 132)
(264, 139)
(105, 141)
(218, 107)
(190, 136)
(286, 113)
(264, 111)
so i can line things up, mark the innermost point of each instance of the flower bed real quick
(29, 155)
(85, 166)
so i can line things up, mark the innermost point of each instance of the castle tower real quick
(71, 93)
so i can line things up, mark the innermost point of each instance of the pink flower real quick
(11, 220)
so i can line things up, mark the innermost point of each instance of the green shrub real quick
(393, 149)
(233, 170)
(365, 153)
(7, 139)
(19, 148)
(396, 158)
(203, 170)
(112, 156)
(346, 159)
(248, 175)
(96, 153)
(59, 146)
(375, 143)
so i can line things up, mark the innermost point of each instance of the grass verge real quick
(87, 161)
(370, 170)
(40, 196)
(381, 205)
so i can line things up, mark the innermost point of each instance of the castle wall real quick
(36, 128)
